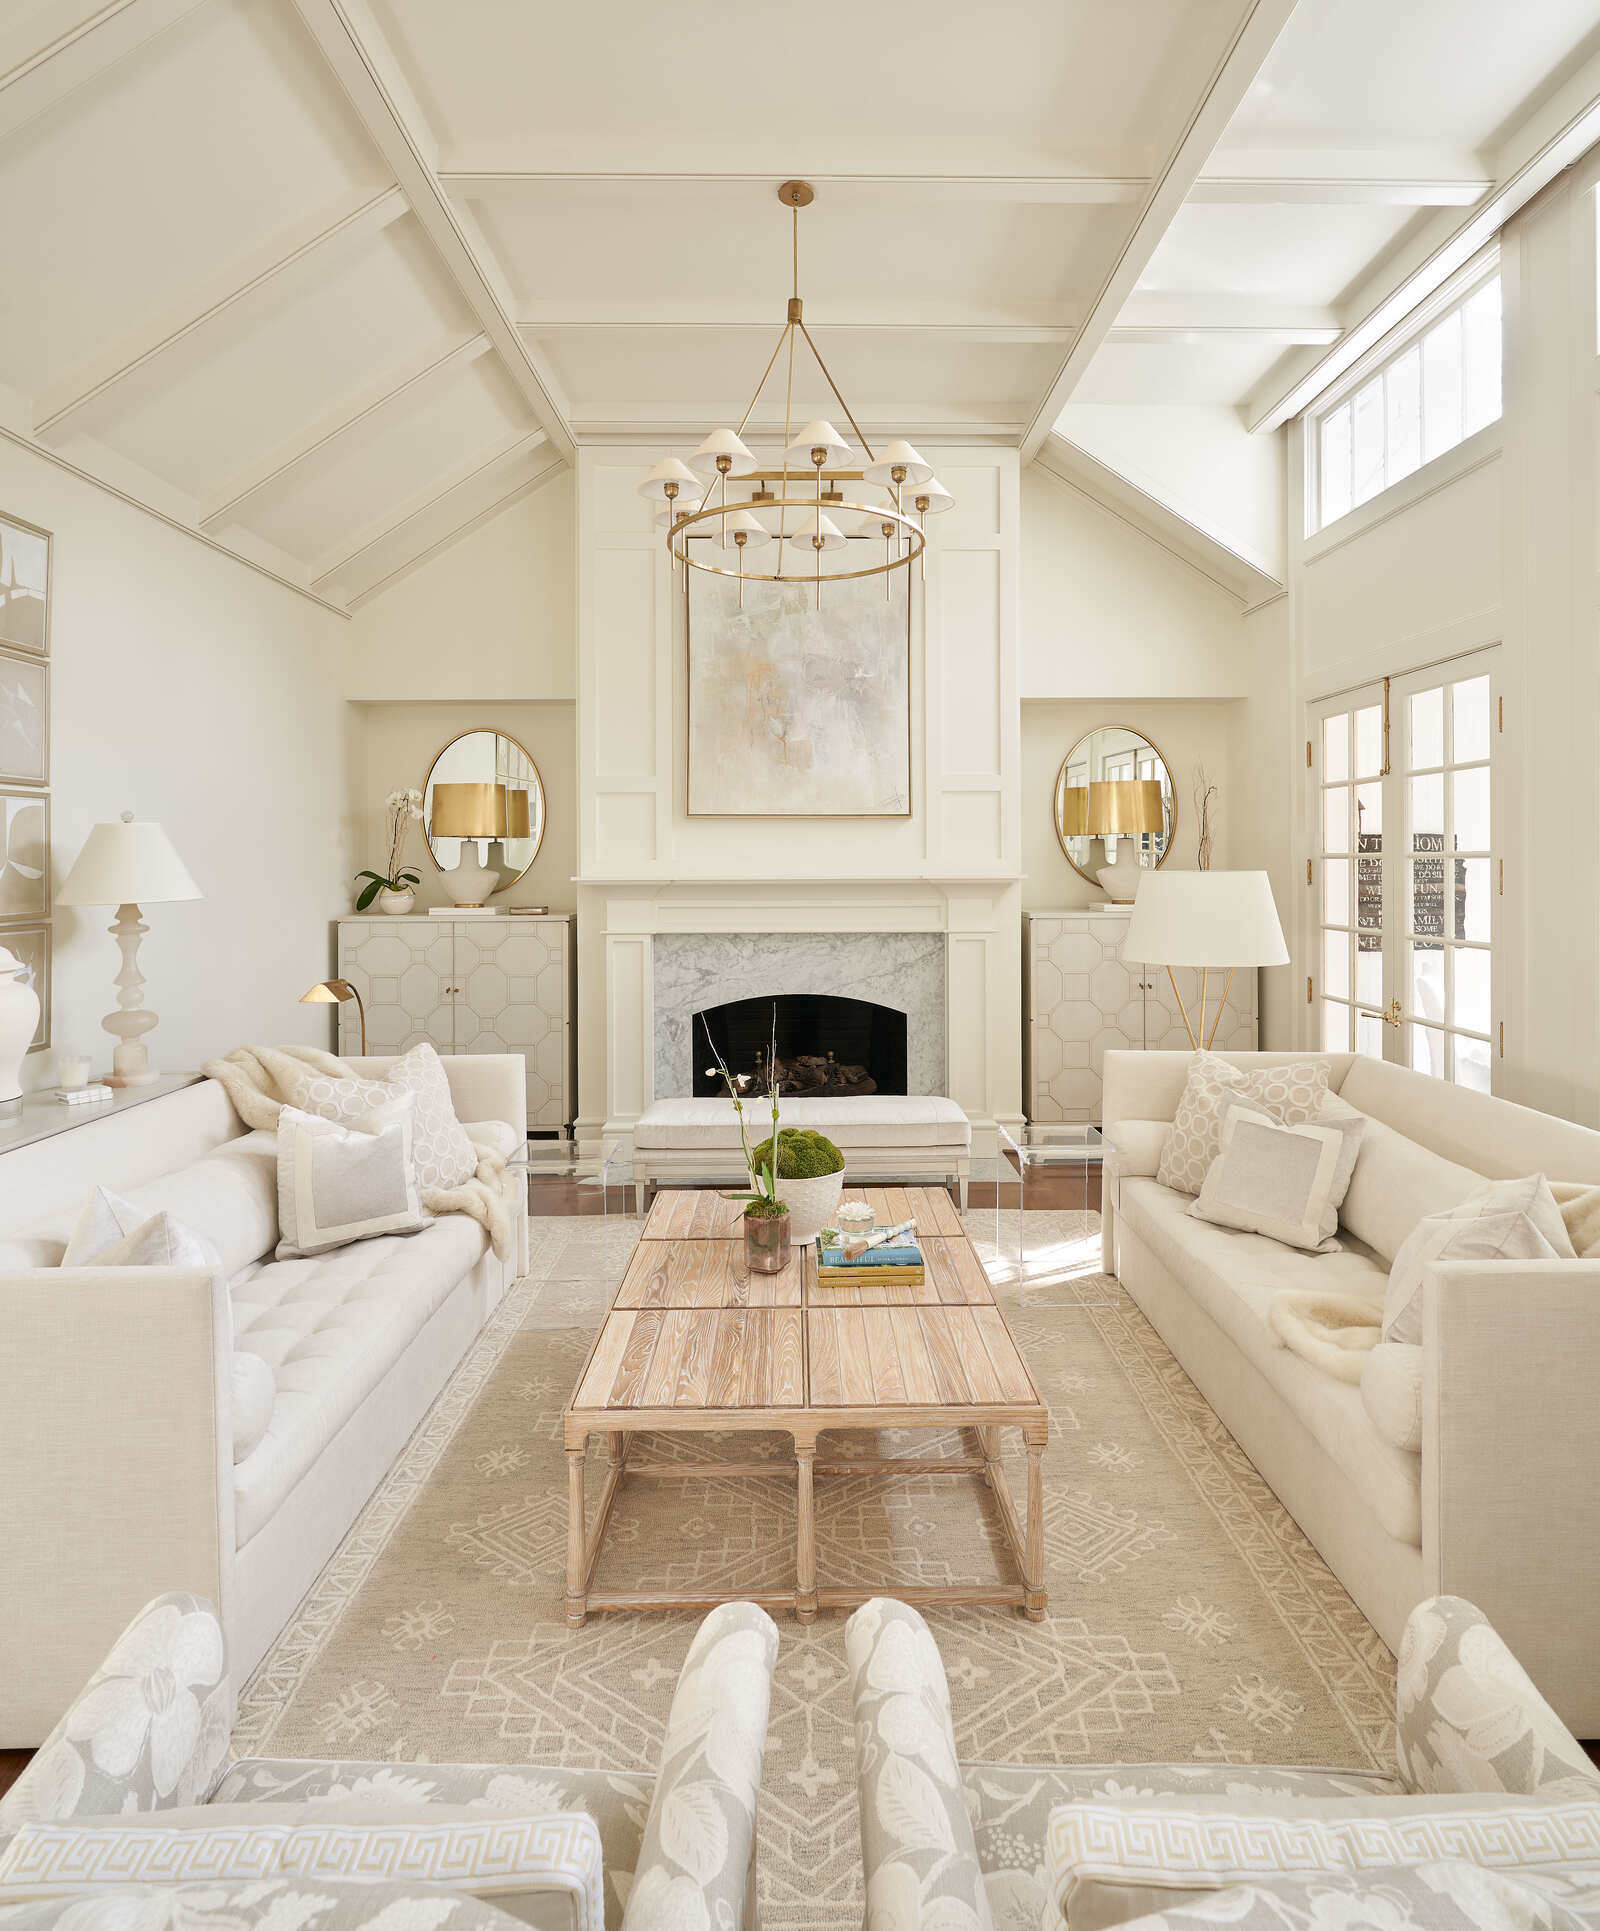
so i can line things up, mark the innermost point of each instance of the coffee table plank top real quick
(707, 1273)
(685, 1358)
(701, 1213)
(952, 1276)
(923, 1357)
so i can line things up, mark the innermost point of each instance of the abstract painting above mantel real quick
(796, 711)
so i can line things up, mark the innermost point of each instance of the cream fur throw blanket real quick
(1335, 1332)
(252, 1078)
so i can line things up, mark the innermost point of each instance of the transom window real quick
(1440, 388)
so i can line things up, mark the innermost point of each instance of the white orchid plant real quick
(762, 1202)
(403, 806)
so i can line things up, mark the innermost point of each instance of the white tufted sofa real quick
(116, 1436)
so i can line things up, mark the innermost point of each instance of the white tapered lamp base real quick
(130, 1062)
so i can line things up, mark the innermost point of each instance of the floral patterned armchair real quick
(966, 1844)
(149, 1735)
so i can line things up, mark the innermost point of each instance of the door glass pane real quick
(1472, 899)
(1336, 891)
(1425, 994)
(1336, 464)
(1368, 439)
(1427, 814)
(1336, 818)
(1335, 1027)
(1469, 719)
(1369, 817)
(1369, 893)
(1470, 804)
(1336, 748)
(1470, 1006)
(1336, 964)
(1427, 1050)
(1480, 356)
(1402, 393)
(1369, 971)
(1471, 1063)
(1427, 898)
(1369, 1034)
(1427, 728)
(1369, 740)
(1441, 387)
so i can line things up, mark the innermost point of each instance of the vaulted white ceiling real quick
(327, 280)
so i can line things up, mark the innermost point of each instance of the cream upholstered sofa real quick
(135, 1782)
(1485, 1772)
(116, 1436)
(1500, 1503)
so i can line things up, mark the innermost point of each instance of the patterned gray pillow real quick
(1291, 1093)
(445, 1156)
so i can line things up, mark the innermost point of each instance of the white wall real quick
(191, 689)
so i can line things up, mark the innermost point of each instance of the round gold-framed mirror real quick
(1116, 808)
(483, 814)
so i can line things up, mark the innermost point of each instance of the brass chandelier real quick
(802, 516)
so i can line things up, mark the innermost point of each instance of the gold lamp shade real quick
(468, 811)
(518, 822)
(1072, 810)
(1122, 805)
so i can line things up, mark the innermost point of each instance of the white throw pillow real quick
(1282, 1181)
(1291, 1093)
(444, 1156)
(337, 1184)
(1391, 1392)
(1512, 1220)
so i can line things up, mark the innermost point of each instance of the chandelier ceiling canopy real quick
(822, 499)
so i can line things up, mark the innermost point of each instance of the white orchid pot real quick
(399, 903)
(812, 1205)
(19, 1021)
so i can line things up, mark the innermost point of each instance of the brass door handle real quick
(1391, 1014)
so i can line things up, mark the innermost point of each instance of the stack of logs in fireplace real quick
(805, 1076)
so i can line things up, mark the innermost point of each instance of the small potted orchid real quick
(766, 1218)
(395, 889)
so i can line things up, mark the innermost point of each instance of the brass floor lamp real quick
(1211, 921)
(336, 992)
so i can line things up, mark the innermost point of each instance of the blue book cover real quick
(906, 1254)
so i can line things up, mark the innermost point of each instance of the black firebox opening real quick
(826, 1046)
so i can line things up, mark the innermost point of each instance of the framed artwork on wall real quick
(24, 718)
(31, 944)
(24, 586)
(24, 855)
(797, 711)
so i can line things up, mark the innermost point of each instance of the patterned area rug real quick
(1189, 1618)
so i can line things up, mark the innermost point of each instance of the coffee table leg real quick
(805, 1534)
(1035, 1599)
(577, 1563)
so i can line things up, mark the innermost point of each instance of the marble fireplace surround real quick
(696, 970)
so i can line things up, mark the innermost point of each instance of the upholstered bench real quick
(883, 1136)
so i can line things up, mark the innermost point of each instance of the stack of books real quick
(891, 1256)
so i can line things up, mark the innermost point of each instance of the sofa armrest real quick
(490, 1086)
(916, 1833)
(113, 1752)
(697, 1863)
(1510, 1427)
(117, 1446)
(1467, 1716)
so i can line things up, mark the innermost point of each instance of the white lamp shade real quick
(899, 455)
(755, 534)
(930, 497)
(686, 505)
(130, 862)
(819, 435)
(815, 527)
(871, 522)
(671, 475)
(1205, 919)
(722, 442)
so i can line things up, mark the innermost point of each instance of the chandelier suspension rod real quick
(800, 324)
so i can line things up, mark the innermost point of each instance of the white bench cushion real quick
(862, 1120)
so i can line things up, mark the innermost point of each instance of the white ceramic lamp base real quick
(130, 1062)
(470, 882)
(1121, 880)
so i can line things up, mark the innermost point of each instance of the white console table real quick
(40, 1116)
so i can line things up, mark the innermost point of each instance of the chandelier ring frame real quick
(902, 560)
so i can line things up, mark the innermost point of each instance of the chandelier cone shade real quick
(806, 504)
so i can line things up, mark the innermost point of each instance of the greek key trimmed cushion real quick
(285, 1904)
(337, 1184)
(1467, 1716)
(1511, 1220)
(1291, 1093)
(444, 1156)
(1113, 1862)
(545, 1869)
(1282, 1181)
(1445, 1896)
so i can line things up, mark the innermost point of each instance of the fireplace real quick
(825, 1045)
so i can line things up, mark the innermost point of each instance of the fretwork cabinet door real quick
(512, 997)
(404, 970)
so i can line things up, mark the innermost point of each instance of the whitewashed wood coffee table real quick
(694, 1342)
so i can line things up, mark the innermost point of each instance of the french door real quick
(1405, 876)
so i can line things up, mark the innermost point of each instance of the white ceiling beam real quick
(1259, 26)
(487, 465)
(35, 83)
(1565, 127)
(398, 391)
(1286, 335)
(365, 67)
(183, 329)
(1338, 191)
(1156, 308)
(1067, 190)
(976, 330)
(687, 421)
